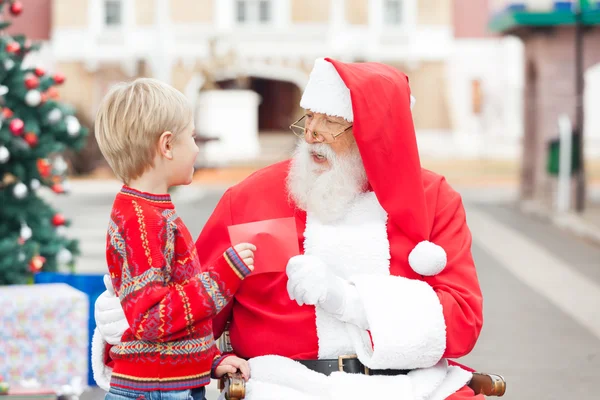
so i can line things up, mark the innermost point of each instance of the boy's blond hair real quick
(130, 120)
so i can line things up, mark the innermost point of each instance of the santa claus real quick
(385, 290)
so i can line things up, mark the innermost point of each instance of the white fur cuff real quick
(406, 322)
(102, 373)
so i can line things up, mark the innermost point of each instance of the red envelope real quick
(276, 241)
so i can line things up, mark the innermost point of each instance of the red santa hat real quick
(376, 99)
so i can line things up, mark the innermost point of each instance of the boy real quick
(145, 131)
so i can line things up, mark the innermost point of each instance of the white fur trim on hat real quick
(412, 101)
(326, 92)
(427, 259)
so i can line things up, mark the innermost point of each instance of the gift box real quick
(90, 284)
(43, 334)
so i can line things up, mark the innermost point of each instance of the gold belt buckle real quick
(348, 357)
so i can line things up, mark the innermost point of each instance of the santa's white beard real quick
(325, 191)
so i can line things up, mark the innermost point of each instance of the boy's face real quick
(185, 152)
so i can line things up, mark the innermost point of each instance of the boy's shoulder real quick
(127, 210)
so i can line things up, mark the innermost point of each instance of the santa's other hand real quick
(109, 316)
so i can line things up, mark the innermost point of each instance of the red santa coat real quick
(263, 319)
(415, 318)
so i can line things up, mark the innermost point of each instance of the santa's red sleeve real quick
(413, 323)
(214, 235)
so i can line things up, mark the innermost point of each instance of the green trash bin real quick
(553, 162)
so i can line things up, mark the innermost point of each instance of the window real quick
(392, 12)
(253, 11)
(112, 13)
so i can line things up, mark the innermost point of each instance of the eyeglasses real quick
(299, 129)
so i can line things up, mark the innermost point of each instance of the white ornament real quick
(73, 125)
(21, 257)
(54, 116)
(26, 232)
(59, 165)
(20, 190)
(4, 155)
(33, 98)
(9, 64)
(3, 90)
(35, 184)
(427, 259)
(61, 230)
(66, 186)
(64, 256)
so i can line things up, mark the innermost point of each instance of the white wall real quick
(232, 116)
(591, 114)
(497, 131)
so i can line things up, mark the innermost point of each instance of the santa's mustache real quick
(320, 150)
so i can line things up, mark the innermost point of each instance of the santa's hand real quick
(109, 315)
(311, 282)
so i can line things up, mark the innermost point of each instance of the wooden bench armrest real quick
(488, 384)
(233, 385)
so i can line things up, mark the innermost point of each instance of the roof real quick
(517, 16)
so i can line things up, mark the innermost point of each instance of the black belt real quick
(349, 364)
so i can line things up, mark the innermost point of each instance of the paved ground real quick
(541, 289)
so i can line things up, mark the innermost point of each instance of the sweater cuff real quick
(216, 362)
(236, 263)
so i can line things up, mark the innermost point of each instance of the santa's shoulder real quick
(267, 184)
(436, 186)
(272, 175)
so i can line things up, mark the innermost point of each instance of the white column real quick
(375, 21)
(95, 21)
(281, 13)
(162, 58)
(224, 15)
(337, 24)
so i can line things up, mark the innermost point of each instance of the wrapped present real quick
(44, 334)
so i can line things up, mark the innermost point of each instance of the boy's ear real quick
(165, 145)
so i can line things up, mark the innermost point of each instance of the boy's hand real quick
(246, 253)
(231, 364)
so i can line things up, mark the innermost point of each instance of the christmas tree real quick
(35, 128)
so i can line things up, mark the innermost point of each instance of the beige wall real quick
(144, 12)
(188, 11)
(428, 85)
(70, 13)
(78, 87)
(310, 11)
(357, 12)
(181, 75)
(435, 12)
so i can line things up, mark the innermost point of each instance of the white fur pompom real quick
(427, 259)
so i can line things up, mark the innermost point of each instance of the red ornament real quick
(32, 82)
(31, 139)
(44, 97)
(58, 188)
(40, 72)
(16, 127)
(13, 47)
(59, 78)
(58, 220)
(7, 112)
(44, 167)
(16, 8)
(53, 93)
(36, 264)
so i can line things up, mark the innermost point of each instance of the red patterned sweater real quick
(168, 299)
